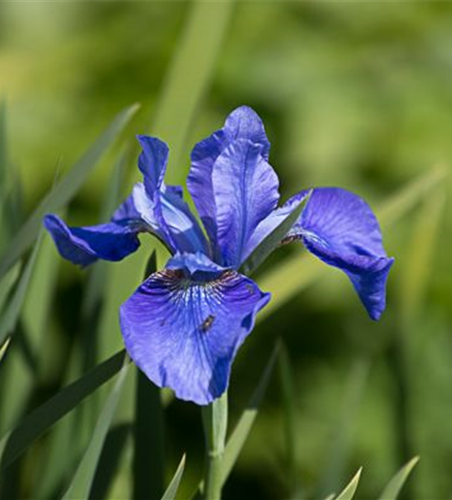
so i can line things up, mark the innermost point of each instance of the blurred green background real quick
(353, 94)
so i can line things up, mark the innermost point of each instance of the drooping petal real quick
(242, 123)
(184, 334)
(111, 241)
(245, 190)
(340, 228)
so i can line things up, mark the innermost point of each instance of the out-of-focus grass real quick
(352, 94)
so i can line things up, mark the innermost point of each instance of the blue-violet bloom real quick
(183, 325)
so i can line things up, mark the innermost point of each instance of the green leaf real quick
(409, 196)
(273, 240)
(64, 191)
(83, 479)
(3, 151)
(17, 440)
(416, 266)
(349, 491)
(394, 486)
(298, 272)
(3, 349)
(242, 429)
(289, 401)
(11, 315)
(171, 491)
(149, 442)
(344, 427)
(7, 283)
(183, 88)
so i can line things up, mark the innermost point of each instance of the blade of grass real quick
(349, 491)
(417, 264)
(27, 367)
(3, 349)
(298, 272)
(343, 428)
(62, 458)
(3, 174)
(241, 431)
(183, 88)
(3, 149)
(409, 196)
(289, 400)
(7, 283)
(110, 460)
(273, 240)
(84, 476)
(392, 490)
(171, 491)
(17, 440)
(11, 315)
(64, 191)
(149, 445)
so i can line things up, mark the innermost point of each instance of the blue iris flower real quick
(183, 326)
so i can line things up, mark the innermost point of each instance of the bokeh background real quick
(353, 94)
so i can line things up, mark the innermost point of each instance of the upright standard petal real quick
(184, 334)
(112, 241)
(242, 123)
(152, 163)
(245, 191)
(162, 207)
(340, 228)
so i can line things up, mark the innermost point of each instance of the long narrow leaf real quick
(3, 349)
(183, 88)
(16, 441)
(83, 479)
(3, 149)
(411, 194)
(64, 191)
(7, 283)
(349, 491)
(289, 401)
(392, 490)
(273, 240)
(171, 491)
(9, 319)
(242, 429)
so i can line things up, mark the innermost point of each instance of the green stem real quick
(215, 419)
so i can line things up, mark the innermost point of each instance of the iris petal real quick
(184, 334)
(112, 241)
(242, 123)
(162, 207)
(340, 228)
(245, 190)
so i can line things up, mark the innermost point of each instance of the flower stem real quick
(215, 419)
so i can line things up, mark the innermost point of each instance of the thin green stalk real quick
(215, 419)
